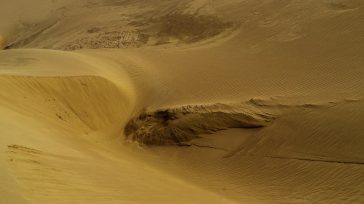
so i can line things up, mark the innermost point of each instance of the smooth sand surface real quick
(193, 101)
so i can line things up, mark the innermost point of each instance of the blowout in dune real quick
(182, 101)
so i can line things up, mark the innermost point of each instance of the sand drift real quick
(192, 101)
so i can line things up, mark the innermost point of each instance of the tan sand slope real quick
(241, 101)
(66, 151)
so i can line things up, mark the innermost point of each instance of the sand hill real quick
(193, 101)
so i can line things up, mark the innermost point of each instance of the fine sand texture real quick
(182, 101)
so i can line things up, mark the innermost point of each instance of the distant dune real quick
(192, 101)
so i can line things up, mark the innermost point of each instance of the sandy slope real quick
(237, 102)
(58, 139)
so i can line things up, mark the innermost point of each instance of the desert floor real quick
(182, 101)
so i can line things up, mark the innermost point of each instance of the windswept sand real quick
(193, 101)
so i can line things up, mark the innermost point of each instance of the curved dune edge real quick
(68, 150)
(90, 103)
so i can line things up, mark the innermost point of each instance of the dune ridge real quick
(192, 101)
(69, 101)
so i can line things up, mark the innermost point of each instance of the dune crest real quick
(182, 101)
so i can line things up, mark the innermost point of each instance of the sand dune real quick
(193, 101)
